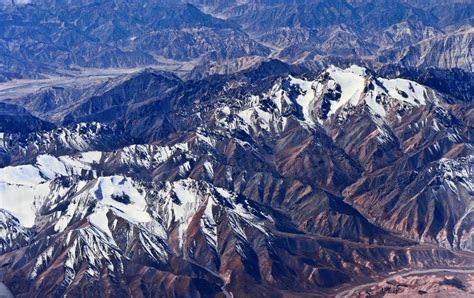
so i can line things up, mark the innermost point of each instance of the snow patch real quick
(123, 196)
(352, 83)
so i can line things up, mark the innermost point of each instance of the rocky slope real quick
(269, 181)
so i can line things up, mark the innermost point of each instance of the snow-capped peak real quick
(350, 84)
(332, 95)
(355, 86)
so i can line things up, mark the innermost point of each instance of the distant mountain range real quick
(45, 36)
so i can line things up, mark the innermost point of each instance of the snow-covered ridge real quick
(11, 231)
(151, 212)
(340, 88)
(149, 155)
(78, 137)
(456, 172)
(148, 213)
(23, 188)
(121, 195)
(329, 95)
(329, 99)
(180, 201)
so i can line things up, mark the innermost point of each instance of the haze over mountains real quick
(236, 148)
(45, 36)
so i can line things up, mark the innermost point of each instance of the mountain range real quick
(303, 183)
(44, 37)
(235, 148)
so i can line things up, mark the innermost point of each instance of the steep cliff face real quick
(265, 182)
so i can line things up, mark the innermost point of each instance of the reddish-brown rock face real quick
(294, 187)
